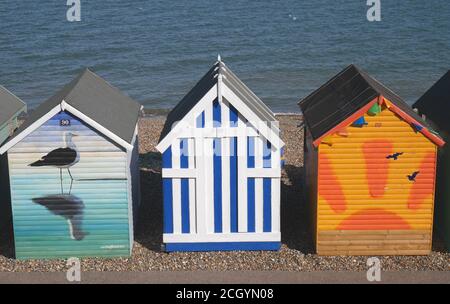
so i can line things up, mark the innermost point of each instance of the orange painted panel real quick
(366, 178)
(377, 176)
(421, 189)
(374, 219)
(336, 198)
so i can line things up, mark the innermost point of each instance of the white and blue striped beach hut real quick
(221, 171)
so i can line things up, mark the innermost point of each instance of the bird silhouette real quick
(413, 176)
(70, 207)
(394, 156)
(62, 158)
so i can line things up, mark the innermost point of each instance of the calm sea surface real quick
(155, 51)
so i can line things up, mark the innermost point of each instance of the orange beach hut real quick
(370, 164)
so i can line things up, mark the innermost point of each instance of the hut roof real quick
(435, 103)
(343, 96)
(92, 96)
(205, 84)
(10, 105)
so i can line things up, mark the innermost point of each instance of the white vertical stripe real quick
(276, 191)
(176, 184)
(225, 112)
(242, 178)
(192, 196)
(259, 211)
(200, 186)
(209, 171)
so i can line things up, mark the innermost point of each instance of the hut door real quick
(234, 177)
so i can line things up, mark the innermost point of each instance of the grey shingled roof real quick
(10, 105)
(342, 96)
(205, 84)
(93, 96)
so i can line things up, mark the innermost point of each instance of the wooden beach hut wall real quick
(370, 169)
(73, 168)
(435, 106)
(221, 168)
(10, 109)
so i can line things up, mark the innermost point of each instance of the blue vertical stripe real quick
(233, 185)
(267, 188)
(201, 120)
(251, 185)
(267, 204)
(217, 162)
(233, 116)
(217, 114)
(184, 153)
(217, 186)
(184, 163)
(185, 225)
(250, 152)
(251, 204)
(267, 154)
(167, 193)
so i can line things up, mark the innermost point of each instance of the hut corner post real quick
(134, 193)
(5, 197)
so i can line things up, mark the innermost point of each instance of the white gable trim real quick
(261, 126)
(63, 106)
(267, 132)
(67, 107)
(30, 129)
(190, 116)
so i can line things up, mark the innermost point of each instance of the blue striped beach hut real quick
(74, 173)
(221, 171)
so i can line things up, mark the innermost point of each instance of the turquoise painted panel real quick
(69, 192)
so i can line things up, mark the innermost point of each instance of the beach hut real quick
(221, 168)
(370, 169)
(73, 168)
(10, 108)
(435, 106)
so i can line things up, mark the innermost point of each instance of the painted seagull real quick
(62, 158)
(395, 156)
(70, 207)
(413, 176)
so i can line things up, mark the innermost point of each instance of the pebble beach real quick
(296, 254)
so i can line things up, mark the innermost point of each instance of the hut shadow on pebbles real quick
(148, 229)
(295, 222)
(6, 240)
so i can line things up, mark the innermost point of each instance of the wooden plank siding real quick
(221, 206)
(93, 219)
(366, 204)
